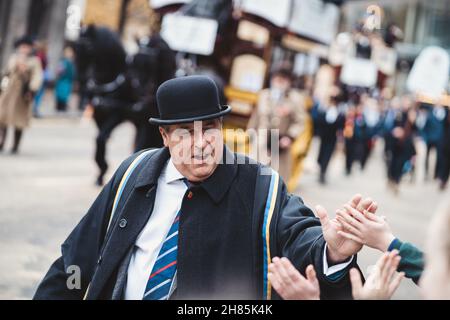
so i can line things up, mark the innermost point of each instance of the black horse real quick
(120, 87)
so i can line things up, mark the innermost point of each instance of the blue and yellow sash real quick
(268, 213)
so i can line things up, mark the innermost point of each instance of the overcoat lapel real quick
(131, 217)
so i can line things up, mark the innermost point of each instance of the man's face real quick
(25, 50)
(196, 148)
(281, 83)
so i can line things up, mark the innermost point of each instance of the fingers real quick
(355, 213)
(348, 226)
(373, 207)
(349, 219)
(285, 271)
(365, 205)
(371, 216)
(291, 271)
(323, 216)
(285, 278)
(386, 267)
(354, 202)
(395, 283)
(275, 282)
(391, 266)
(311, 275)
(277, 269)
(350, 236)
(355, 279)
(381, 262)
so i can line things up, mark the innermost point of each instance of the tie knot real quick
(186, 182)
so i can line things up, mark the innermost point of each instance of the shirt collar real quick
(172, 174)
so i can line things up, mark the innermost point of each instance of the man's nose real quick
(199, 139)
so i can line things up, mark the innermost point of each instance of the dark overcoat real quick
(221, 249)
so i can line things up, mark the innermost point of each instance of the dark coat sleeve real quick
(82, 247)
(300, 239)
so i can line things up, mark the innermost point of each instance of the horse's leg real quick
(106, 126)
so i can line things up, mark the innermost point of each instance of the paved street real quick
(47, 188)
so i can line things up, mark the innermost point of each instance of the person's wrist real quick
(334, 257)
(385, 242)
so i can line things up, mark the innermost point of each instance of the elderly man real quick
(194, 220)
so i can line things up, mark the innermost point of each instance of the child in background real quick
(64, 83)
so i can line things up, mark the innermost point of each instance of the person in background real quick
(22, 80)
(279, 108)
(41, 53)
(390, 114)
(329, 120)
(65, 78)
(432, 132)
(361, 127)
(401, 143)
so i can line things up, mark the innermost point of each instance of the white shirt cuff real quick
(328, 271)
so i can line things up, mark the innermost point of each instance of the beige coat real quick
(289, 116)
(15, 107)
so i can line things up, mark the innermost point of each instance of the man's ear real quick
(164, 136)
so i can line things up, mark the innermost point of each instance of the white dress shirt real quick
(169, 197)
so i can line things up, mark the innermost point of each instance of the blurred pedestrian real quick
(401, 143)
(361, 127)
(329, 120)
(281, 108)
(432, 134)
(65, 78)
(24, 78)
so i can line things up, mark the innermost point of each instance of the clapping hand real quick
(290, 284)
(381, 283)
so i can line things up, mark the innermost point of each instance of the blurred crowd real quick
(359, 118)
(356, 117)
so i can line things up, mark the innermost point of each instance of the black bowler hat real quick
(188, 99)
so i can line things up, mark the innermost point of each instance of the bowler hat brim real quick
(160, 122)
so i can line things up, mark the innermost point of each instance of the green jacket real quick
(412, 262)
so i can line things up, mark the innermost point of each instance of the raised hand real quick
(381, 283)
(340, 248)
(290, 284)
(365, 228)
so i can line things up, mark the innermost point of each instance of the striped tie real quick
(161, 278)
